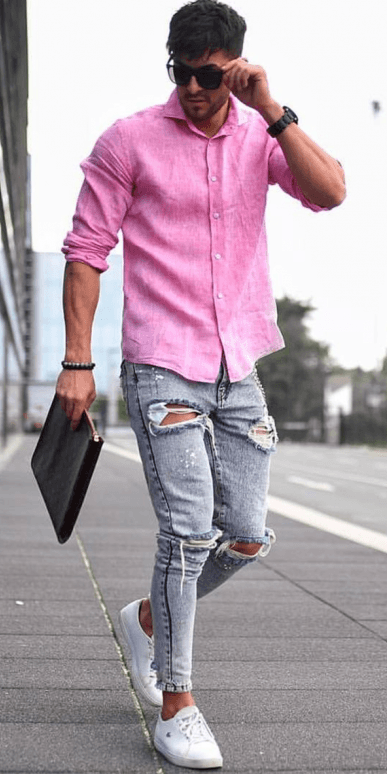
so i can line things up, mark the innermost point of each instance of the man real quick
(187, 183)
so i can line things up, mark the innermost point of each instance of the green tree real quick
(293, 378)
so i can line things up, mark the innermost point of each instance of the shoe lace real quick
(195, 727)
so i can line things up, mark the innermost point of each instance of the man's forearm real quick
(80, 299)
(319, 176)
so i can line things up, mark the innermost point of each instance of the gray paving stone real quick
(326, 552)
(292, 675)
(42, 564)
(53, 624)
(75, 748)
(54, 705)
(355, 601)
(45, 607)
(58, 647)
(364, 611)
(58, 589)
(81, 674)
(118, 592)
(379, 627)
(271, 603)
(332, 570)
(240, 649)
(302, 771)
(127, 569)
(276, 705)
(324, 746)
(353, 588)
(327, 624)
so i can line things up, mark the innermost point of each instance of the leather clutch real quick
(63, 463)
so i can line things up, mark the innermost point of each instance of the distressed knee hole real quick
(249, 549)
(178, 413)
(238, 549)
(264, 434)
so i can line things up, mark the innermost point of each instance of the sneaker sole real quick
(213, 763)
(133, 676)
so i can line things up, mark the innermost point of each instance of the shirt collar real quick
(236, 115)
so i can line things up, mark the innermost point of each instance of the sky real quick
(93, 61)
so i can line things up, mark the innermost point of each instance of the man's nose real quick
(193, 86)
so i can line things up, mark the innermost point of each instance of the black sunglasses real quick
(208, 77)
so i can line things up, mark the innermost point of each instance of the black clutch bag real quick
(63, 464)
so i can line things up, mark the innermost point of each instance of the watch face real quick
(291, 114)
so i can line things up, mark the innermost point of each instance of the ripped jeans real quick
(208, 479)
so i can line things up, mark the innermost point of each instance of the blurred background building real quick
(15, 242)
(48, 337)
(48, 323)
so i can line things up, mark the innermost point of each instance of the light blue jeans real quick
(208, 479)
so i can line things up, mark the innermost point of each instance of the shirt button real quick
(220, 295)
(216, 215)
(218, 256)
(214, 178)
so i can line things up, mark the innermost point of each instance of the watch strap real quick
(289, 117)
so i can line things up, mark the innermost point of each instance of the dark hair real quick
(206, 25)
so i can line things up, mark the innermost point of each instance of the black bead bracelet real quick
(68, 365)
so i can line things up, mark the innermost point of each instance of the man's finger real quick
(76, 417)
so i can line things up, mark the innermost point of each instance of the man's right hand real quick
(76, 392)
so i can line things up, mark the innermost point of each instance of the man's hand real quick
(248, 83)
(76, 392)
(318, 175)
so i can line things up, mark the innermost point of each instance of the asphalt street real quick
(290, 661)
(349, 483)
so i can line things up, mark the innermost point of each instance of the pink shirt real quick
(191, 209)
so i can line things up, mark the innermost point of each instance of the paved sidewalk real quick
(290, 656)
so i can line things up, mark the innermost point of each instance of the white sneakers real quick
(141, 646)
(186, 740)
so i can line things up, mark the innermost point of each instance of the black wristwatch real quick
(289, 117)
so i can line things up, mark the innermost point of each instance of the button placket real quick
(216, 208)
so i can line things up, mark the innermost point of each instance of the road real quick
(348, 483)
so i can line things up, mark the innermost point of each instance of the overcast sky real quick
(93, 61)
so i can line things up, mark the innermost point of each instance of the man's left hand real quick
(248, 83)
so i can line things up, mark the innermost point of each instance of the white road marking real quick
(319, 520)
(11, 449)
(129, 455)
(322, 486)
(335, 474)
(316, 519)
(380, 465)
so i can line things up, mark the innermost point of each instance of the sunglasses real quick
(208, 77)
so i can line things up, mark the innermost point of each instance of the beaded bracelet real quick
(67, 364)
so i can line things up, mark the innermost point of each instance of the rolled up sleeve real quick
(104, 199)
(280, 173)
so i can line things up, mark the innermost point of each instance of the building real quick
(48, 331)
(15, 276)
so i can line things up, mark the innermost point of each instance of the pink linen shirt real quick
(191, 209)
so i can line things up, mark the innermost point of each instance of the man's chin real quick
(197, 110)
(195, 107)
